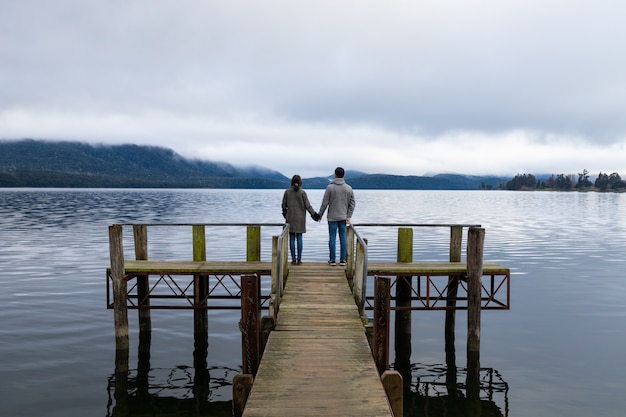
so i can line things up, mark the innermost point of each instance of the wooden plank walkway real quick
(317, 361)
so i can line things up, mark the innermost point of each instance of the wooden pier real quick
(310, 354)
(317, 361)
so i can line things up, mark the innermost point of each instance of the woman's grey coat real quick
(295, 205)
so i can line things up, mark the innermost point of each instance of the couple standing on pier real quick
(338, 199)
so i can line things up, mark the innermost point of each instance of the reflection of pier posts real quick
(143, 364)
(403, 308)
(475, 242)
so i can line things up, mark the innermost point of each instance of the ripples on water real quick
(559, 349)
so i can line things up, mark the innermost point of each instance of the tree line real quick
(562, 182)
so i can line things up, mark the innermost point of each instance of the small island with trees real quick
(562, 182)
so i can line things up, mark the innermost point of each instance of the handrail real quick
(360, 272)
(279, 267)
(200, 224)
(360, 268)
(418, 224)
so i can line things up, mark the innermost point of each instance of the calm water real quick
(559, 351)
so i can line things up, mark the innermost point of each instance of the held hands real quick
(316, 217)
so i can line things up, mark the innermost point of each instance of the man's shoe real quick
(299, 262)
(342, 263)
(332, 263)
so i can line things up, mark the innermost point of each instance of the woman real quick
(295, 205)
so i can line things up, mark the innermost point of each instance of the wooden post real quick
(200, 317)
(253, 247)
(405, 244)
(285, 260)
(120, 312)
(456, 241)
(475, 241)
(242, 385)
(140, 238)
(140, 234)
(268, 323)
(359, 281)
(277, 272)
(350, 254)
(199, 242)
(392, 382)
(249, 324)
(120, 315)
(381, 323)
(404, 292)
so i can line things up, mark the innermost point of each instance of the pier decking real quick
(317, 361)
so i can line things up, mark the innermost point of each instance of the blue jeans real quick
(333, 227)
(293, 239)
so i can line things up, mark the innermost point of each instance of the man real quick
(339, 199)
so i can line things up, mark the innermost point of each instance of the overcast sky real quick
(400, 87)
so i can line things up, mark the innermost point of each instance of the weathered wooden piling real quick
(392, 382)
(475, 241)
(120, 318)
(350, 254)
(456, 240)
(242, 385)
(120, 313)
(249, 324)
(140, 238)
(200, 314)
(403, 313)
(200, 282)
(382, 301)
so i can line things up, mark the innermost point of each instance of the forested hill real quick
(36, 163)
(30, 163)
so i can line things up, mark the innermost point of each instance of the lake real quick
(559, 350)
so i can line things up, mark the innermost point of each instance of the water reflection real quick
(199, 391)
(433, 393)
(435, 390)
(448, 390)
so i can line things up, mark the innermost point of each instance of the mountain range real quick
(40, 163)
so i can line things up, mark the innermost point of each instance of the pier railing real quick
(171, 290)
(280, 258)
(357, 268)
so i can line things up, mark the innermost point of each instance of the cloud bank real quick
(401, 87)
